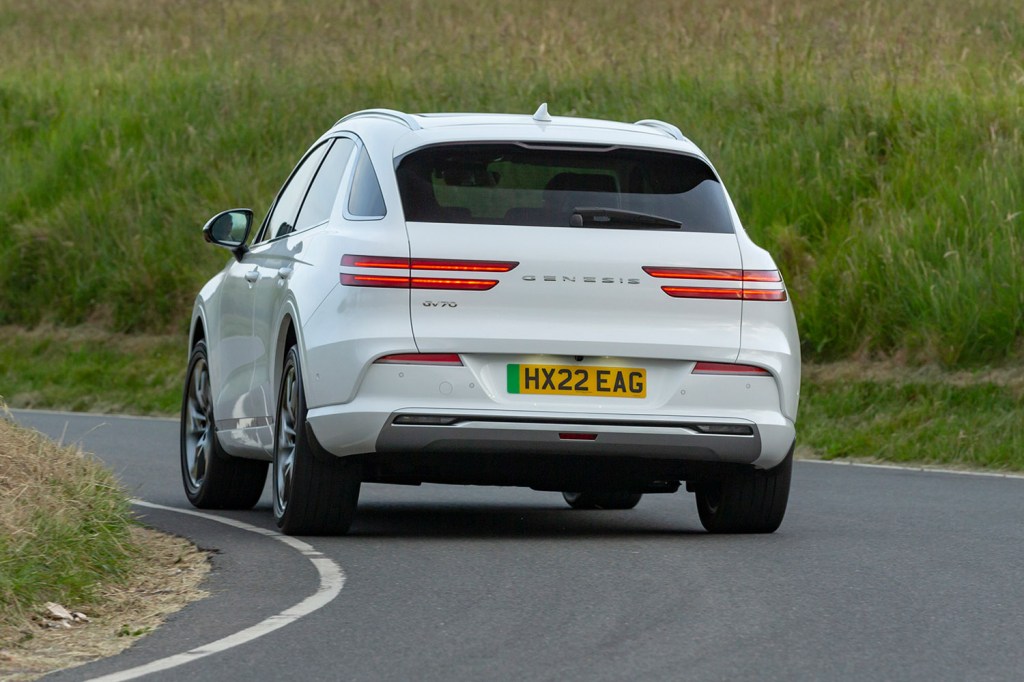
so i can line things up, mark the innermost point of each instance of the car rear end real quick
(584, 310)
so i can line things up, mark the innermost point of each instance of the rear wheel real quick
(616, 499)
(315, 493)
(750, 502)
(213, 479)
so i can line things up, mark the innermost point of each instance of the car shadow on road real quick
(495, 521)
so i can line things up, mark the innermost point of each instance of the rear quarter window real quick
(365, 199)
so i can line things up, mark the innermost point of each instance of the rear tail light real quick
(375, 281)
(728, 368)
(774, 291)
(764, 294)
(420, 359)
(411, 265)
(703, 292)
(350, 280)
(462, 265)
(389, 262)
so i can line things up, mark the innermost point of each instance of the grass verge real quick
(890, 413)
(886, 411)
(64, 523)
(67, 536)
(88, 369)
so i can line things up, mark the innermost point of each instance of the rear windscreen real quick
(527, 184)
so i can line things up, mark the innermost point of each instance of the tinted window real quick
(320, 198)
(521, 184)
(366, 200)
(282, 217)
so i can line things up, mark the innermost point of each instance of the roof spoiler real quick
(388, 114)
(664, 127)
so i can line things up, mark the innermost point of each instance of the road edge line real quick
(332, 580)
(918, 469)
(98, 415)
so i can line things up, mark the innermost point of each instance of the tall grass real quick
(64, 525)
(875, 148)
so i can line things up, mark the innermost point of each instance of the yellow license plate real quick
(609, 382)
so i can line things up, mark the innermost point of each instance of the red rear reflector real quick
(728, 368)
(420, 359)
(437, 264)
(721, 275)
(578, 436)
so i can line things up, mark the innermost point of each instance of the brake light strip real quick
(740, 277)
(411, 264)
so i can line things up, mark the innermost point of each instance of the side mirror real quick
(230, 229)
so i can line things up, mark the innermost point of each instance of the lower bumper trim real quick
(702, 440)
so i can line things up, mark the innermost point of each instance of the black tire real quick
(213, 479)
(751, 502)
(315, 493)
(617, 499)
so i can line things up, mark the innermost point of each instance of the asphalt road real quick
(876, 574)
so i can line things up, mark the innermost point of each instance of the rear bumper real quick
(415, 413)
(414, 432)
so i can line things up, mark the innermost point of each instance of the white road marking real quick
(97, 415)
(332, 579)
(919, 469)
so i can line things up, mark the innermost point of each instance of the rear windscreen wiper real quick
(595, 216)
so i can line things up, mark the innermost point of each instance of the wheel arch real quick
(287, 336)
(197, 330)
(198, 333)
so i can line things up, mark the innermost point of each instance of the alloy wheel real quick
(199, 426)
(284, 459)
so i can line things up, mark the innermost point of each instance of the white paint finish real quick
(575, 292)
(332, 579)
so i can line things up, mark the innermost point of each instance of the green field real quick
(874, 148)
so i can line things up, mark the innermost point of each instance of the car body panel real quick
(575, 291)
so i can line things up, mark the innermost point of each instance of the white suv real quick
(559, 303)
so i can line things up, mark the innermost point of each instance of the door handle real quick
(251, 276)
(284, 273)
